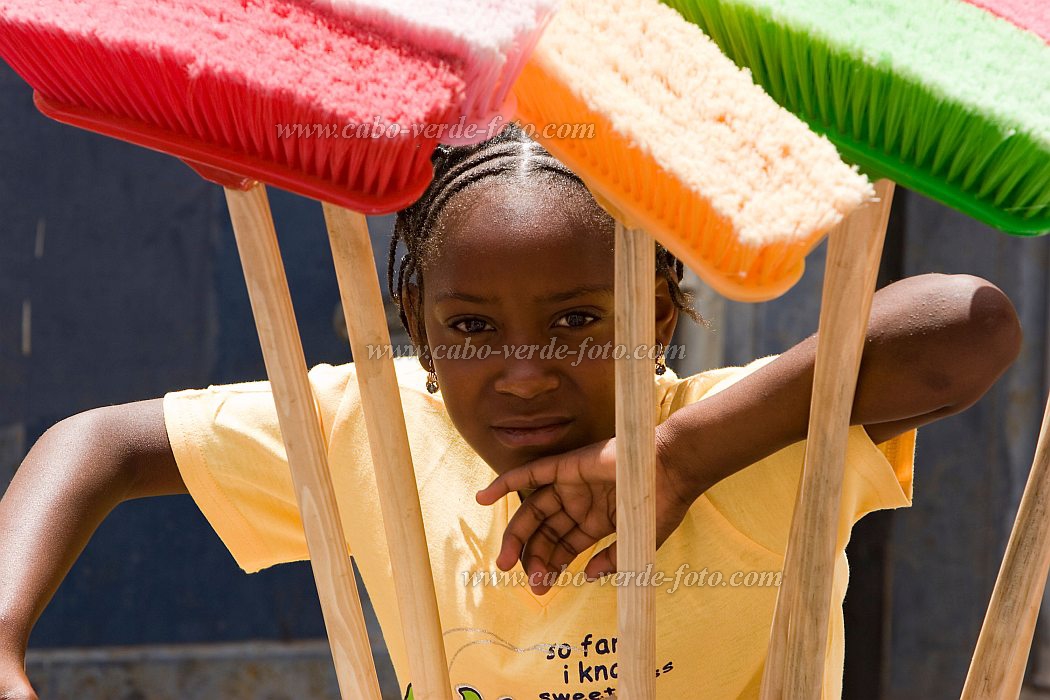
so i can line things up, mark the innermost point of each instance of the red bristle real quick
(140, 88)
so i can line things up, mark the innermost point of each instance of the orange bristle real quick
(679, 142)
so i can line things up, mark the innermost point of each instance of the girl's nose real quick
(526, 379)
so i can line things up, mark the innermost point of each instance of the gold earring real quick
(432, 378)
(661, 363)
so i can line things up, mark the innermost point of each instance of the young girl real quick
(507, 250)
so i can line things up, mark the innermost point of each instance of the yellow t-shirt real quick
(502, 641)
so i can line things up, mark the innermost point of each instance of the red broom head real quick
(263, 90)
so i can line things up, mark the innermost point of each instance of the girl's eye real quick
(471, 325)
(576, 319)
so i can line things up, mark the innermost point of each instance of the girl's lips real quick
(535, 436)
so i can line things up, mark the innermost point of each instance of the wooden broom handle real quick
(304, 442)
(798, 638)
(635, 328)
(366, 325)
(999, 661)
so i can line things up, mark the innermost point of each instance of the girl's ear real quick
(411, 302)
(666, 313)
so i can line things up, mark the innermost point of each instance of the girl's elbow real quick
(993, 323)
(93, 452)
(985, 339)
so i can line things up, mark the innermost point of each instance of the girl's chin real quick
(504, 459)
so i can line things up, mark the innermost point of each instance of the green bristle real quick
(984, 164)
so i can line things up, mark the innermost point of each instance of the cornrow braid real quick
(456, 169)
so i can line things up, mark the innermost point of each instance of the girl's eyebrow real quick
(566, 295)
(463, 296)
(580, 291)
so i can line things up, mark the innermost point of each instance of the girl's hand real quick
(572, 505)
(14, 685)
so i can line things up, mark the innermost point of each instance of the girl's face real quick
(523, 272)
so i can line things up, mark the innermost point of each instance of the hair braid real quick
(456, 169)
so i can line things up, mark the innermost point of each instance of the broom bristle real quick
(174, 72)
(490, 39)
(939, 95)
(1033, 15)
(679, 141)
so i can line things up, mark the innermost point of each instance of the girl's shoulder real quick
(332, 382)
(675, 392)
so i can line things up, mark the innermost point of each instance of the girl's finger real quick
(571, 545)
(536, 557)
(527, 477)
(602, 563)
(533, 511)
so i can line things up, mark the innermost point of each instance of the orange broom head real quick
(288, 92)
(675, 139)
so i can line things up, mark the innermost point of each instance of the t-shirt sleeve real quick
(227, 443)
(759, 500)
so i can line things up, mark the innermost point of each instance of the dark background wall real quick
(119, 281)
(126, 263)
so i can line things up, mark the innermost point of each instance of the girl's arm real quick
(76, 473)
(935, 344)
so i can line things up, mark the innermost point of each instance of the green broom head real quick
(944, 97)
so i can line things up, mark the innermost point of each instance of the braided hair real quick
(510, 154)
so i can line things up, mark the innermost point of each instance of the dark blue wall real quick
(136, 290)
